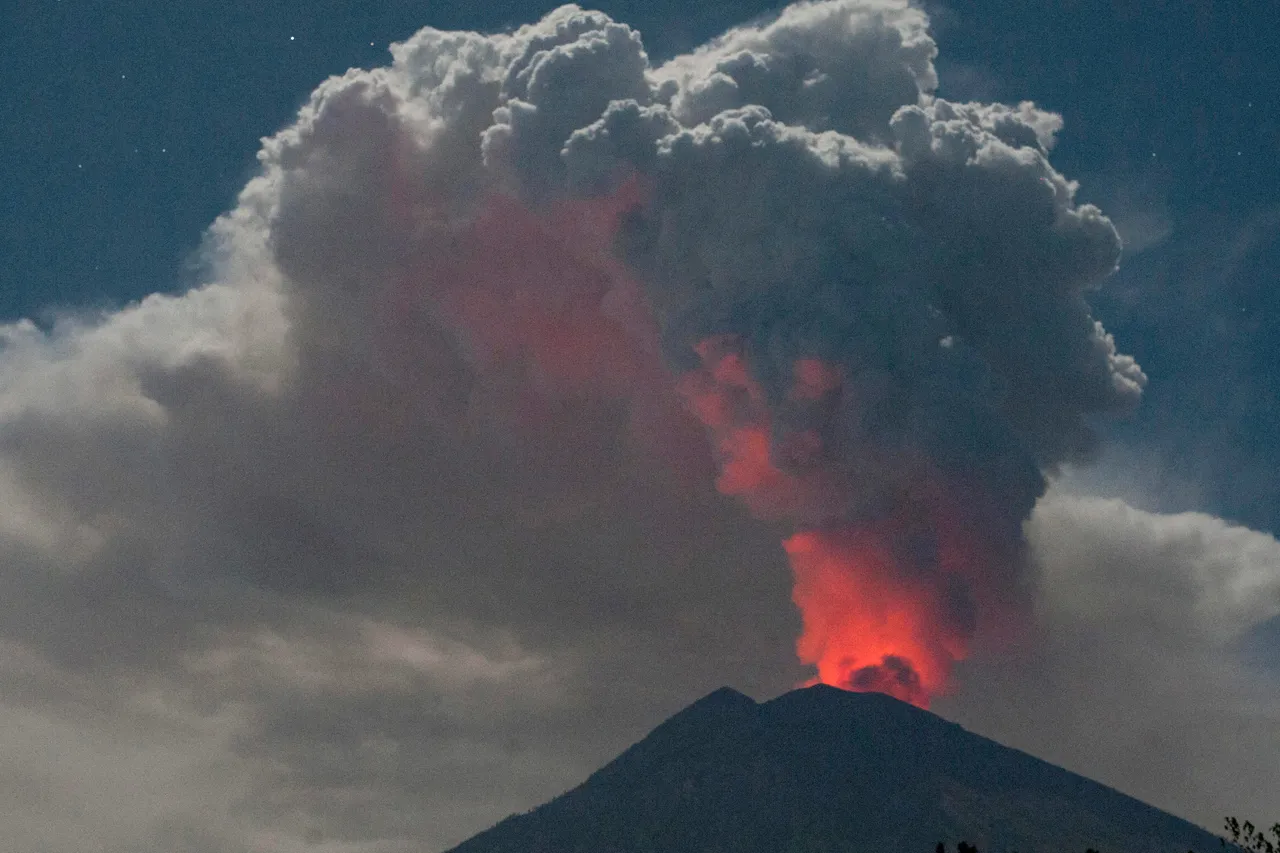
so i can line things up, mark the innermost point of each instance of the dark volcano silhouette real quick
(828, 771)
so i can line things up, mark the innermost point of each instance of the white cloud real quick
(1130, 674)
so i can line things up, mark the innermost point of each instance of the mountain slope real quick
(820, 769)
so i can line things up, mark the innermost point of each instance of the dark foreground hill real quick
(828, 771)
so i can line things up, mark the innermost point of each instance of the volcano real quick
(822, 769)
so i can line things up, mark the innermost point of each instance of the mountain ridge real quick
(823, 769)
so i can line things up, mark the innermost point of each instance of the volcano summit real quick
(821, 769)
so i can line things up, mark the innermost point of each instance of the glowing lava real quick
(866, 627)
(872, 620)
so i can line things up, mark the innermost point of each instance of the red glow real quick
(870, 622)
(731, 405)
(541, 336)
(550, 337)
(814, 379)
(540, 294)
(866, 627)
(536, 290)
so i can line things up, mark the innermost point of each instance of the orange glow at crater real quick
(866, 626)
(870, 622)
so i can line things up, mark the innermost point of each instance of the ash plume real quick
(873, 298)
(515, 280)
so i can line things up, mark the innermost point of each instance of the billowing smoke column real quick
(871, 299)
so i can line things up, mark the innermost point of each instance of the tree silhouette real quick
(1244, 837)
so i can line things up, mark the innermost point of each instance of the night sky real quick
(312, 619)
(130, 126)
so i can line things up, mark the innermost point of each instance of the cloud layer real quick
(401, 522)
(1134, 677)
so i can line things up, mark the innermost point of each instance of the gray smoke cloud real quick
(401, 521)
(811, 199)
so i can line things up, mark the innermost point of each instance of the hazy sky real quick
(290, 561)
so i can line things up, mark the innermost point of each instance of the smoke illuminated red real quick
(549, 321)
(866, 625)
(724, 397)
(872, 621)
(541, 290)
(535, 335)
